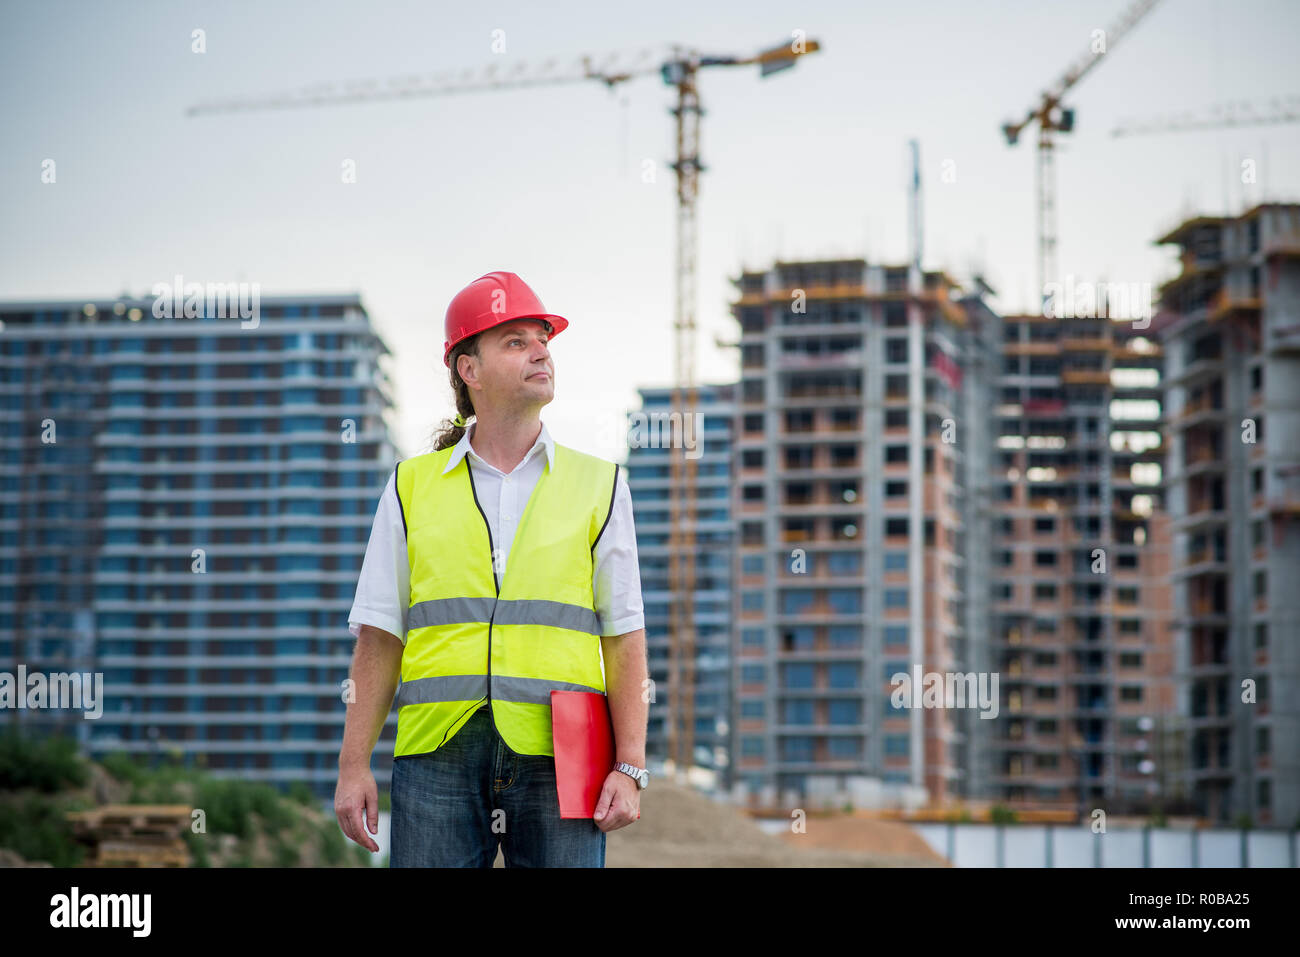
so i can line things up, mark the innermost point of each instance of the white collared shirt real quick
(384, 586)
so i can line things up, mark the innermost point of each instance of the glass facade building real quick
(184, 506)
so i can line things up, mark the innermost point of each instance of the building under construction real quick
(1081, 611)
(860, 435)
(1230, 330)
(706, 708)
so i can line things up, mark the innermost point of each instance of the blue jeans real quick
(450, 808)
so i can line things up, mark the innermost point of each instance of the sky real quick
(550, 182)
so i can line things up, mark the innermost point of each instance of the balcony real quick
(1284, 498)
(840, 290)
(1284, 340)
(1228, 303)
(1086, 344)
(848, 358)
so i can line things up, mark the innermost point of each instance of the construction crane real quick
(679, 69)
(1053, 117)
(1218, 116)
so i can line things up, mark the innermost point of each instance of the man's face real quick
(515, 363)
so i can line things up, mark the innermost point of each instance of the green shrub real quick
(198, 845)
(44, 764)
(332, 844)
(37, 830)
(284, 854)
(125, 768)
(1001, 814)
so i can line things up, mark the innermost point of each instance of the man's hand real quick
(619, 803)
(356, 805)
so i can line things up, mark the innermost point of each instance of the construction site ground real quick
(680, 827)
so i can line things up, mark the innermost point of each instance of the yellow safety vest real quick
(474, 635)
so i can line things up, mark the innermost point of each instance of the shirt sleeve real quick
(616, 578)
(384, 585)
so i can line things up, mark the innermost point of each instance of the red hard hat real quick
(489, 301)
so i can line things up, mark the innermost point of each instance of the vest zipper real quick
(495, 584)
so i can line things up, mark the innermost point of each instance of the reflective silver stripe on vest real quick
(444, 688)
(522, 611)
(541, 611)
(449, 611)
(532, 690)
(473, 687)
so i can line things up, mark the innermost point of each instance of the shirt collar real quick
(463, 448)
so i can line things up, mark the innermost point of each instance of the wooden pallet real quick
(133, 835)
(127, 854)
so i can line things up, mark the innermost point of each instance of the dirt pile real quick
(680, 827)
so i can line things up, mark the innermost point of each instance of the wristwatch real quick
(640, 775)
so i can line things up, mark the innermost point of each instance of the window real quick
(753, 674)
(845, 601)
(895, 527)
(753, 637)
(752, 458)
(845, 711)
(843, 563)
(798, 639)
(895, 350)
(842, 456)
(895, 598)
(844, 418)
(895, 418)
(1130, 693)
(1044, 591)
(797, 711)
(751, 601)
(751, 747)
(753, 708)
(895, 636)
(796, 601)
(895, 454)
(895, 489)
(1045, 559)
(845, 637)
(843, 674)
(797, 749)
(895, 561)
(752, 565)
(800, 420)
(896, 744)
(752, 493)
(796, 675)
(754, 422)
(1044, 526)
(842, 749)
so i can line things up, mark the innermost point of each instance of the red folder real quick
(583, 737)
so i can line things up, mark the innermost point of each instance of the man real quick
(501, 566)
